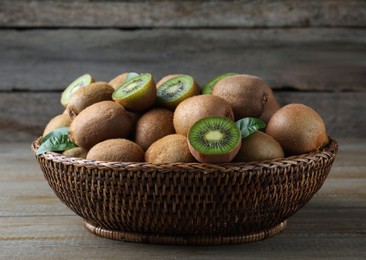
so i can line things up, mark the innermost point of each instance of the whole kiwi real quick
(116, 150)
(76, 152)
(88, 95)
(58, 121)
(259, 147)
(245, 94)
(271, 106)
(153, 125)
(298, 128)
(98, 122)
(192, 109)
(169, 149)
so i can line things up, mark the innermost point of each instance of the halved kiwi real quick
(214, 140)
(166, 78)
(121, 79)
(207, 89)
(175, 90)
(81, 81)
(137, 94)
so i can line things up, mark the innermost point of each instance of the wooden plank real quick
(304, 238)
(343, 113)
(304, 59)
(127, 14)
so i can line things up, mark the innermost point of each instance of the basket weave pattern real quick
(186, 199)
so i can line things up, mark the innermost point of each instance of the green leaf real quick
(131, 75)
(249, 125)
(57, 140)
(58, 131)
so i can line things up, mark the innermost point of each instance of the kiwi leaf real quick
(249, 125)
(131, 75)
(57, 140)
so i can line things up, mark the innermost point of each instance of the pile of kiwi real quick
(133, 119)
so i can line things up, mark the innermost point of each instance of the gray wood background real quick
(312, 52)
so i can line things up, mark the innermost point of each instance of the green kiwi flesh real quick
(121, 79)
(207, 89)
(214, 139)
(136, 94)
(175, 90)
(78, 83)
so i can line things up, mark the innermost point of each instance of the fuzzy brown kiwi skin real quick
(58, 121)
(191, 110)
(298, 128)
(88, 95)
(169, 149)
(118, 80)
(116, 150)
(98, 122)
(259, 147)
(270, 107)
(166, 78)
(245, 93)
(153, 125)
(76, 152)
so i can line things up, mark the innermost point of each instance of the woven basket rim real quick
(328, 151)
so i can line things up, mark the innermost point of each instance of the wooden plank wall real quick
(312, 52)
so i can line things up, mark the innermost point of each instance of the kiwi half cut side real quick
(175, 90)
(214, 140)
(81, 81)
(136, 94)
(207, 89)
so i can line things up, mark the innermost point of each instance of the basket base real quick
(187, 239)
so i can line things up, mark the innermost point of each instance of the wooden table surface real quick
(34, 224)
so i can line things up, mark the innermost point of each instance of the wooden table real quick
(34, 224)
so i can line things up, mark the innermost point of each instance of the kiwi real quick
(166, 78)
(88, 95)
(245, 94)
(270, 107)
(98, 122)
(80, 82)
(121, 79)
(207, 89)
(298, 128)
(137, 94)
(76, 152)
(169, 149)
(175, 90)
(116, 150)
(192, 109)
(214, 140)
(259, 147)
(58, 121)
(153, 125)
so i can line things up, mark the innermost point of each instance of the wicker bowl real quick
(187, 203)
